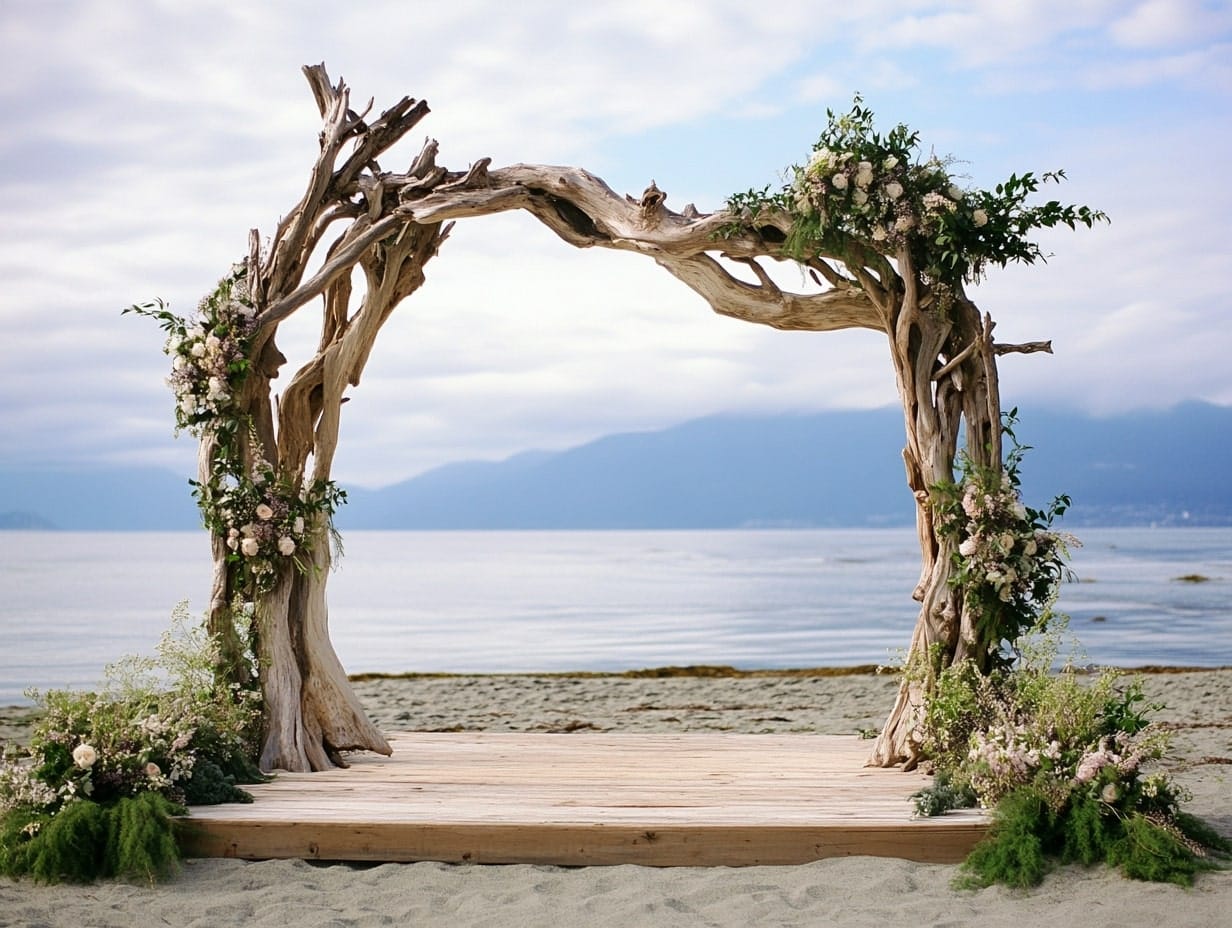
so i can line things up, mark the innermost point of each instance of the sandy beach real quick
(848, 891)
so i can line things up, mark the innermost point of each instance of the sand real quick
(850, 891)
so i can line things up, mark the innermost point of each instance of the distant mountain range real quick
(831, 469)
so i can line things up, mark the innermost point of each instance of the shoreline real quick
(442, 709)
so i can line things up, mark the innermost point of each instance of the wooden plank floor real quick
(585, 799)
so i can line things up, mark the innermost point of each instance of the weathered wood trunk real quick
(947, 380)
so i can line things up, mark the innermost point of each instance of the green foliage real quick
(1028, 835)
(1014, 851)
(106, 770)
(209, 785)
(130, 838)
(141, 838)
(1008, 560)
(1060, 758)
(863, 193)
(210, 354)
(267, 521)
(943, 796)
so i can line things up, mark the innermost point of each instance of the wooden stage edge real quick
(663, 800)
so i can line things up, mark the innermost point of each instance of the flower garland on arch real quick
(265, 520)
(1009, 561)
(862, 192)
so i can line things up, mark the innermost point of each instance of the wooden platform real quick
(585, 799)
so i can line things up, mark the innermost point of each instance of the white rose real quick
(955, 193)
(864, 174)
(980, 218)
(249, 547)
(968, 547)
(153, 771)
(298, 527)
(213, 342)
(894, 190)
(859, 197)
(890, 163)
(264, 512)
(198, 350)
(84, 756)
(839, 181)
(286, 545)
(879, 234)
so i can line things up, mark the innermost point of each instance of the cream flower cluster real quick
(263, 522)
(883, 199)
(1002, 547)
(1004, 555)
(207, 356)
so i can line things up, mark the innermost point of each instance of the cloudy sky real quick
(144, 139)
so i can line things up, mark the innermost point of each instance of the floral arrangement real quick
(209, 356)
(1064, 763)
(105, 772)
(265, 521)
(865, 193)
(1009, 561)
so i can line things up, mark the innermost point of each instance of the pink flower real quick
(286, 545)
(264, 512)
(249, 547)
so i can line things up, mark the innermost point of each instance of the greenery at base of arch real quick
(266, 520)
(94, 793)
(1066, 763)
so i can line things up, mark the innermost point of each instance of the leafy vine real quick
(1008, 560)
(266, 520)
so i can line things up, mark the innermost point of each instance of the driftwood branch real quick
(1024, 348)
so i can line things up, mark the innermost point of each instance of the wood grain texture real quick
(587, 799)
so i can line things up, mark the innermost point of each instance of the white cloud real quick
(1205, 69)
(1166, 23)
(153, 135)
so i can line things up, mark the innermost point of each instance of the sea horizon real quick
(556, 601)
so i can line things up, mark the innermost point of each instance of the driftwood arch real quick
(393, 223)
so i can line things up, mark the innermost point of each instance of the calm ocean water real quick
(540, 601)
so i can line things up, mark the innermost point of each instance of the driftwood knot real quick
(651, 204)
